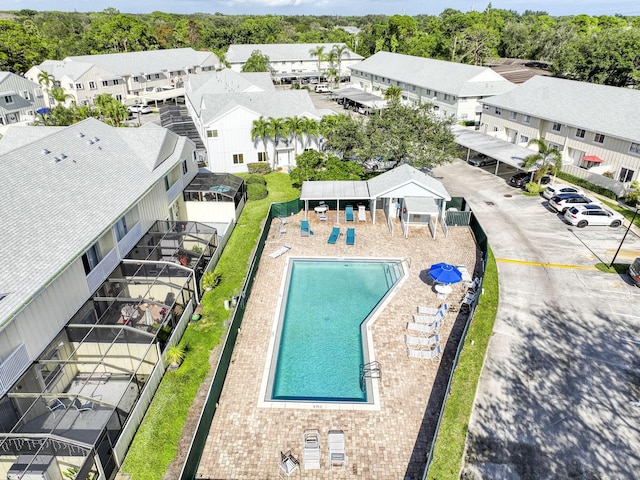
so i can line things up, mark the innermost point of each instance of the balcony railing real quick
(174, 191)
(102, 270)
(129, 240)
(16, 363)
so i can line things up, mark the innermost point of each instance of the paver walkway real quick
(245, 440)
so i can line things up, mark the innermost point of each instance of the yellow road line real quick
(547, 265)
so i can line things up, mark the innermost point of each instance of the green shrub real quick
(261, 168)
(256, 191)
(533, 187)
(632, 198)
(588, 185)
(254, 178)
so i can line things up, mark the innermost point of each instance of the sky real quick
(333, 7)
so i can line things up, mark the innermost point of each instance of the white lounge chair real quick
(466, 277)
(288, 463)
(282, 250)
(432, 310)
(412, 340)
(362, 213)
(428, 319)
(423, 327)
(468, 299)
(336, 449)
(311, 450)
(432, 354)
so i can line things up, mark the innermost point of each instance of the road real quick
(556, 395)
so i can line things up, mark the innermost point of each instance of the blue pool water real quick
(320, 347)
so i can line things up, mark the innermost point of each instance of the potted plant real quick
(210, 280)
(174, 355)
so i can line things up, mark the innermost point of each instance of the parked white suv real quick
(567, 200)
(322, 88)
(584, 215)
(556, 189)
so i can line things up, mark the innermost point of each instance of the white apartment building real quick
(454, 89)
(591, 125)
(20, 99)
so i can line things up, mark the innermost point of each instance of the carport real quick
(501, 150)
(360, 98)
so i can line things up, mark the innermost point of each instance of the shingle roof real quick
(225, 81)
(63, 68)
(150, 61)
(277, 104)
(52, 211)
(453, 78)
(403, 175)
(600, 108)
(283, 52)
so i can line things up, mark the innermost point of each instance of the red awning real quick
(592, 158)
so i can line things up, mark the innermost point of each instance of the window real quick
(118, 97)
(91, 258)
(580, 133)
(513, 115)
(79, 86)
(25, 94)
(212, 133)
(524, 139)
(105, 83)
(556, 127)
(498, 111)
(238, 158)
(635, 148)
(598, 138)
(156, 76)
(262, 156)
(448, 97)
(116, 81)
(526, 118)
(92, 85)
(121, 228)
(136, 79)
(428, 92)
(185, 167)
(50, 369)
(626, 175)
(148, 77)
(166, 183)
(8, 99)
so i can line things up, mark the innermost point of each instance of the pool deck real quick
(392, 442)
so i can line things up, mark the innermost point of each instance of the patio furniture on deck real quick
(282, 250)
(304, 228)
(311, 450)
(423, 327)
(432, 311)
(80, 406)
(348, 213)
(432, 354)
(466, 277)
(56, 404)
(362, 215)
(336, 449)
(288, 464)
(335, 233)
(351, 236)
(428, 319)
(413, 340)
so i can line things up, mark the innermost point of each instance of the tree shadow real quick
(557, 402)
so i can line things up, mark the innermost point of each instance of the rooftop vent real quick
(45, 151)
(57, 159)
(63, 156)
(96, 139)
(80, 135)
(89, 142)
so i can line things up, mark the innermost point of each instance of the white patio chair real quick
(311, 450)
(432, 310)
(288, 464)
(428, 319)
(337, 455)
(415, 341)
(423, 327)
(432, 354)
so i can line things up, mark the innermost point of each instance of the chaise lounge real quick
(335, 233)
(351, 236)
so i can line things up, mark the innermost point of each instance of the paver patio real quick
(245, 440)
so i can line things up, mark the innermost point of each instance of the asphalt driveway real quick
(557, 391)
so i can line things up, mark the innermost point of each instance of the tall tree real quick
(260, 130)
(310, 129)
(318, 52)
(548, 159)
(294, 126)
(257, 62)
(277, 131)
(339, 50)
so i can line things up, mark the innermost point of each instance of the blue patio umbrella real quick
(43, 111)
(445, 273)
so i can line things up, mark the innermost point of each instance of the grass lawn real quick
(161, 428)
(449, 447)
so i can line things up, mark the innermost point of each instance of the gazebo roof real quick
(334, 190)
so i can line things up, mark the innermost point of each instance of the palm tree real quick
(331, 58)
(58, 95)
(46, 81)
(260, 131)
(339, 50)
(294, 127)
(277, 130)
(310, 127)
(392, 93)
(549, 159)
(318, 52)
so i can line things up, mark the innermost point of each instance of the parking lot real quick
(556, 395)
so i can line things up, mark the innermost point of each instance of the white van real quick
(322, 88)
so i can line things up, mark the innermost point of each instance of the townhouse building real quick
(591, 125)
(224, 105)
(454, 89)
(20, 99)
(100, 274)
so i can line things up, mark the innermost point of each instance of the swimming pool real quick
(321, 340)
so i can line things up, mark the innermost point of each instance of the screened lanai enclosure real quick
(74, 412)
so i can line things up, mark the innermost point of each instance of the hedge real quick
(588, 185)
(256, 191)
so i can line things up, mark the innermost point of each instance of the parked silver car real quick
(556, 189)
(583, 215)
